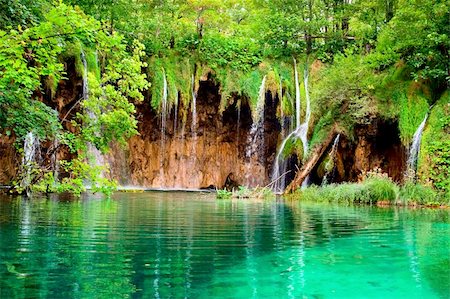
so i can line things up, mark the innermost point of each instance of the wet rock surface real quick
(214, 154)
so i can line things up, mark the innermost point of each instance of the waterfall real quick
(279, 168)
(31, 148)
(255, 140)
(414, 149)
(300, 131)
(330, 162)
(85, 76)
(258, 118)
(258, 122)
(297, 97)
(164, 108)
(164, 112)
(278, 175)
(303, 130)
(94, 156)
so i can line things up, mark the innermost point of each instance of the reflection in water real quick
(161, 245)
(413, 259)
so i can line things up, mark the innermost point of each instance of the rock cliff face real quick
(376, 146)
(65, 102)
(220, 150)
(8, 160)
(214, 155)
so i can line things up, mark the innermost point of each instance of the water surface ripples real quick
(189, 245)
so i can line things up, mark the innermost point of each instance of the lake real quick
(190, 245)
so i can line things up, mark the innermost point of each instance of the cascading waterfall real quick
(304, 127)
(303, 131)
(300, 131)
(95, 157)
(279, 169)
(85, 76)
(280, 166)
(164, 109)
(31, 148)
(257, 125)
(164, 112)
(297, 97)
(330, 162)
(414, 149)
(255, 141)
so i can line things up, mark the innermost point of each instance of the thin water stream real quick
(330, 165)
(95, 157)
(163, 114)
(300, 132)
(255, 140)
(415, 148)
(31, 149)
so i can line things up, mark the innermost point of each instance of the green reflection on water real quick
(175, 245)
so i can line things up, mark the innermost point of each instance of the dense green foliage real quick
(234, 38)
(434, 160)
(416, 193)
(32, 62)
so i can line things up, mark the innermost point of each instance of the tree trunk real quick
(306, 169)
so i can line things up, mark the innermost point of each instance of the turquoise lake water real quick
(189, 245)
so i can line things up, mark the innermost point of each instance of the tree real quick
(419, 34)
(23, 13)
(31, 56)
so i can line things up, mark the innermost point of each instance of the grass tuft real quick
(374, 190)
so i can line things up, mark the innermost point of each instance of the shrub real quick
(372, 190)
(416, 193)
(218, 51)
(379, 189)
